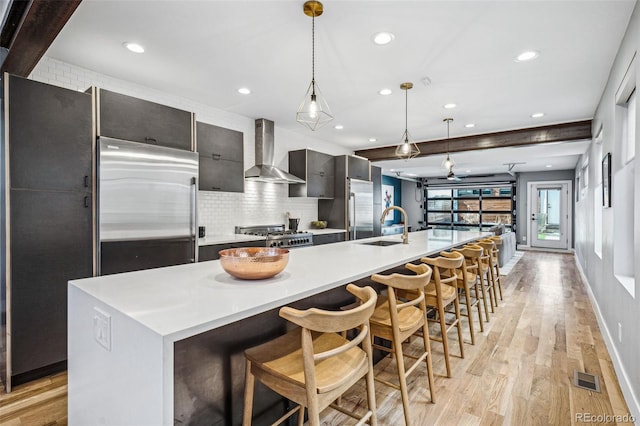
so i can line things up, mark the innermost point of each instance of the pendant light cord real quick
(313, 53)
(406, 113)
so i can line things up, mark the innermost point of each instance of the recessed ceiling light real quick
(470, 125)
(537, 115)
(450, 106)
(548, 165)
(383, 38)
(244, 91)
(134, 47)
(410, 174)
(467, 171)
(384, 92)
(372, 139)
(527, 56)
(338, 127)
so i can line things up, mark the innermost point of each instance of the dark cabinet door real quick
(127, 256)
(318, 170)
(221, 158)
(214, 141)
(220, 175)
(358, 168)
(211, 252)
(137, 120)
(320, 186)
(328, 238)
(320, 163)
(50, 244)
(50, 136)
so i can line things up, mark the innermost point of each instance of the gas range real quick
(277, 236)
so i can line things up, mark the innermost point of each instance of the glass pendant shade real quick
(448, 162)
(407, 148)
(314, 112)
(450, 175)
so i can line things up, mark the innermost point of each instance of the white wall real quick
(261, 203)
(412, 200)
(614, 304)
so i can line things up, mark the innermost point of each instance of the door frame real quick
(569, 208)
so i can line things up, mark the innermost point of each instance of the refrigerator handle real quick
(194, 219)
(353, 224)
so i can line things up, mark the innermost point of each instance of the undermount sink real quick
(382, 243)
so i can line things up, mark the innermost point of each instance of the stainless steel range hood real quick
(264, 170)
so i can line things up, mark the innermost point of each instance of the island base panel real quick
(209, 368)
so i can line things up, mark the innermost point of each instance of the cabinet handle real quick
(86, 181)
(150, 140)
(321, 195)
(216, 156)
(86, 202)
(321, 174)
(216, 188)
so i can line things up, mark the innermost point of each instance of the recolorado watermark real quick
(604, 418)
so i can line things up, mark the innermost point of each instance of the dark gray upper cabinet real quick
(358, 168)
(221, 154)
(318, 171)
(50, 136)
(137, 120)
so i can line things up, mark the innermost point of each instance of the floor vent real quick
(586, 381)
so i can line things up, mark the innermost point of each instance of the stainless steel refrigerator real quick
(146, 206)
(360, 209)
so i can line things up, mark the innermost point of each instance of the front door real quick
(549, 221)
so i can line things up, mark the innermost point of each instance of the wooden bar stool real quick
(496, 264)
(397, 320)
(488, 246)
(313, 365)
(483, 277)
(441, 291)
(468, 279)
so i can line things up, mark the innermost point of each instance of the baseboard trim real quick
(625, 384)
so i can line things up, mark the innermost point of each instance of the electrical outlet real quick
(102, 328)
(620, 332)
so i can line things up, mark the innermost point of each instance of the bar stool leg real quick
(459, 326)
(402, 376)
(248, 395)
(427, 349)
(477, 293)
(469, 317)
(445, 343)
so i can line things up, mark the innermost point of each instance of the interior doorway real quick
(550, 214)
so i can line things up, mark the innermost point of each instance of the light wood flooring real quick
(520, 371)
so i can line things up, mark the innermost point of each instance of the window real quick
(623, 183)
(629, 129)
(470, 208)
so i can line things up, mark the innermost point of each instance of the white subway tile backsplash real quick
(220, 212)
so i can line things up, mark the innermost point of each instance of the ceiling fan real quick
(452, 176)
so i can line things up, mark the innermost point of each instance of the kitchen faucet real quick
(405, 234)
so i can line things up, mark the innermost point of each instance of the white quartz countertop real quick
(177, 302)
(323, 231)
(213, 239)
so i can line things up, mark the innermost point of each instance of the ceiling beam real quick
(566, 132)
(38, 26)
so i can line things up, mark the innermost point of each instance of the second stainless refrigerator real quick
(147, 206)
(359, 209)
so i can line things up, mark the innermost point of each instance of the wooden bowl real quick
(254, 263)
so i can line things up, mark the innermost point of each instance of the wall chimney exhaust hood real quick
(264, 170)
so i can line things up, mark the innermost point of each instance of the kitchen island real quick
(164, 346)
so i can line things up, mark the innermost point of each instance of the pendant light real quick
(448, 162)
(407, 148)
(314, 111)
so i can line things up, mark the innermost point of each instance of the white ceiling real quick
(206, 50)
